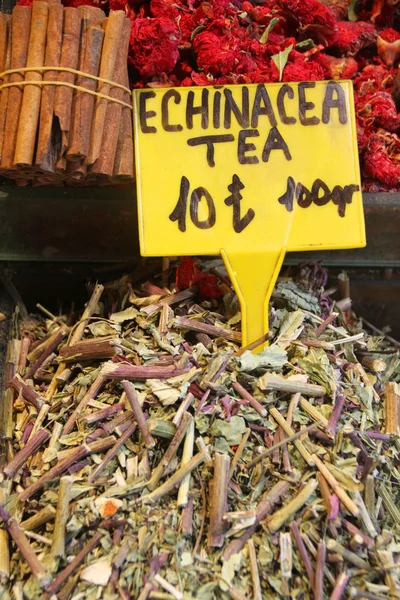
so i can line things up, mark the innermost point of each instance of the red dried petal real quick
(379, 110)
(166, 8)
(389, 35)
(215, 54)
(350, 37)
(303, 71)
(338, 68)
(188, 274)
(381, 158)
(154, 46)
(371, 78)
(309, 12)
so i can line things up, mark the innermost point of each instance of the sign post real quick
(250, 173)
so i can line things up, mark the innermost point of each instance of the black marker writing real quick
(340, 196)
(201, 194)
(179, 212)
(239, 223)
(209, 141)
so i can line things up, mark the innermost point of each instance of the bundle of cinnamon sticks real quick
(61, 134)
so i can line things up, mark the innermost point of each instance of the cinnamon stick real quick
(112, 39)
(5, 61)
(64, 94)
(20, 31)
(89, 62)
(104, 163)
(46, 148)
(27, 126)
(124, 165)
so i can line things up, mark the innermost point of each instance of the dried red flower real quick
(166, 8)
(389, 35)
(309, 12)
(379, 110)
(350, 37)
(381, 158)
(338, 68)
(188, 274)
(154, 46)
(216, 54)
(303, 71)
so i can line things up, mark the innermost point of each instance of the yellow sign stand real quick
(250, 173)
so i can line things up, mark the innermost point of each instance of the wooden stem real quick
(198, 459)
(90, 395)
(289, 431)
(138, 413)
(171, 452)
(218, 500)
(4, 555)
(276, 382)
(319, 572)
(264, 508)
(303, 552)
(255, 575)
(340, 586)
(275, 521)
(28, 393)
(392, 408)
(187, 454)
(22, 542)
(23, 455)
(75, 563)
(78, 454)
(112, 453)
(43, 516)
(336, 487)
(62, 513)
(211, 330)
(187, 402)
(125, 371)
(250, 399)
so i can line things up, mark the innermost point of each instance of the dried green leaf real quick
(271, 357)
(231, 431)
(296, 297)
(281, 59)
(100, 328)
(352, 12)
(125, 315)
(264, 38)
(348, 482)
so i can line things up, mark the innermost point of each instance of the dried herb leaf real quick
(281, 59)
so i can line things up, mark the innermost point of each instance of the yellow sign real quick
(248, 172)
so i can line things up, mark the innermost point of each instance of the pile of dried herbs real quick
(148, 456)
